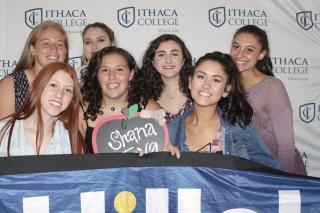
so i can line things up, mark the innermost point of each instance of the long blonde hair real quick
(26, 60)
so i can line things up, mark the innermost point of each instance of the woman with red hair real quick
(48, 121)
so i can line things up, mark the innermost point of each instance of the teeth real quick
(113, 85)
(206, 94)
(240, 62)
(53, 57)
(168, 67)
(57, 104)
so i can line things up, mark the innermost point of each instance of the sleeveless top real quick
(171, 116)
(21, 88)
(88, 139)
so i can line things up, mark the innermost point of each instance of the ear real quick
(189, 82)
(32, 49)
(226, 91)
(262, 54)
(131, 75)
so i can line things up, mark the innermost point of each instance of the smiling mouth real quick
(53, 58)
(168, 67)
(204, 94)
(56, 103)
(113, 85)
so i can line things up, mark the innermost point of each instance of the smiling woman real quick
(273, 116)
(220, 120)
(164, 74)
(107, 88)
(47, 123)
(46, 43)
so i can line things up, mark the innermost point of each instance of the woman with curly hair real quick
(107, 89)
(220, 120)
(164, 74)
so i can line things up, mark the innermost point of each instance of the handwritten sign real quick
(140, 134)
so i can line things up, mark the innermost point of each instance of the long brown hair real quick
(26, 60)
(69, 117)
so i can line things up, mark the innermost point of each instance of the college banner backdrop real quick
(293, 27)
(154, 183)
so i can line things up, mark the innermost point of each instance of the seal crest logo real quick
(126, 16)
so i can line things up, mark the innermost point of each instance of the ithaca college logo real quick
(75, 62)
(217, 16)
(33, 17)
(307, 112)
(304, 19)
(126, 16)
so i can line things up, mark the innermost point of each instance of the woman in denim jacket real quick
(220, 120)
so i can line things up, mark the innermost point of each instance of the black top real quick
(21, 88)
(88, 139)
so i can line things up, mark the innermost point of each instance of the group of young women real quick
(228, 104)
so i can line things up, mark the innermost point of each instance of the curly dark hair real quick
(91, 89)
(149, 78)
(235, 106)
(265, 64)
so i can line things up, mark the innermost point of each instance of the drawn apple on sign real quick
(119, 134)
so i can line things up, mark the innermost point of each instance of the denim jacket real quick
(238, 141)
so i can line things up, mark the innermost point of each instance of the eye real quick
(235, 46)
(250, 49)
(87, 42)
(61, 45)
(120, 69)
(160, 54)
(200, 76)
(103, 70)
(69, 90)
(101, 40)
(53, 85)
(216, 80)
(45, 44)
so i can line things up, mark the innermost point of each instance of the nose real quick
(168, 58)
(95, 46)
(111, 74)
(240, 52)
(59, 93)
(53, 48)
(206, 83)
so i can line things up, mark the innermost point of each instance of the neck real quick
(171, 83)
(249, 76)
(113, 105)
(47, 122)
(204, 116)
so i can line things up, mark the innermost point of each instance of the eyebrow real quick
(163, 51)
(204, 73)
(252, 46)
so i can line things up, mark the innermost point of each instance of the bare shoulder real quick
(7, 97)
(152, 105)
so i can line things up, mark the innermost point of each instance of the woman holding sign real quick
(267, 95)
(107, 88)
(47, 123)
(220, 121)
